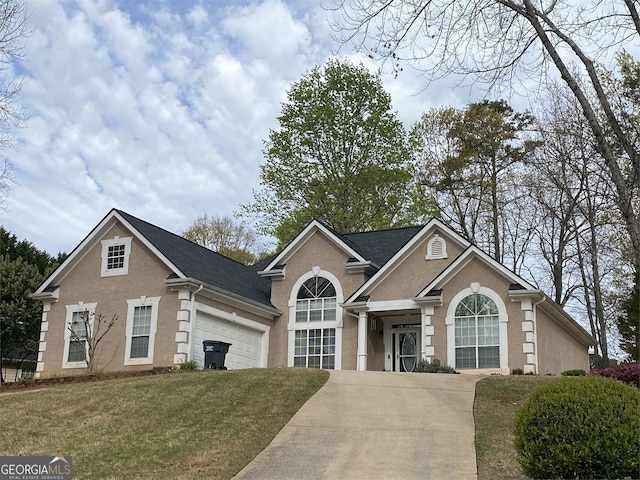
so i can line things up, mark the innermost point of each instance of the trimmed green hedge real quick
(580, 427)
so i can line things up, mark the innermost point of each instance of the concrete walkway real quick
(377, 425)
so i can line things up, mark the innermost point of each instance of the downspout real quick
(192, 319)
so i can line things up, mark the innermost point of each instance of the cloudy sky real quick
(160, 108)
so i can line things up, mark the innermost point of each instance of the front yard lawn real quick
(496, 402)
(188, 425)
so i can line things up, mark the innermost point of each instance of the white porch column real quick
(362, 342)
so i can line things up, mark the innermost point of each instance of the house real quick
(17, 365)
(379, 300)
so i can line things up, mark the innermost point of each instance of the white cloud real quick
(157, 108)
(268, 31)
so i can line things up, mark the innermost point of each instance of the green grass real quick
(207, 424)
(497, 399)
(190, 425)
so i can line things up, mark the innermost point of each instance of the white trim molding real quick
(235, 318)
(106, 269)
(502, 317)
(436, 248)
(80, 307)
(132, 304)
(292, 325)
(293, 246)
(42, 345)
(530, 330)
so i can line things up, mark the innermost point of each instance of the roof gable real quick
(462, 260)
(184, 258)
(312, 228)
(400, 255)
(90, 241)
(200, 263)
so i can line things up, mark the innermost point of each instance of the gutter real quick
(224, 296)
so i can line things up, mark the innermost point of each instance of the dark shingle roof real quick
(381, 245)
(219, 271)
(203, 264)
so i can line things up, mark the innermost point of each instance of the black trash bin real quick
(215, 353)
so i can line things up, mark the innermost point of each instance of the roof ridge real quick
(391, 229)
(179, 236)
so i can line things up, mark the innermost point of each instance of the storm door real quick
(406, 348)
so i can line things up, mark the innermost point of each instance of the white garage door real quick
(246, 342)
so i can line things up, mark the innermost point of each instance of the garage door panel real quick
(246, 343)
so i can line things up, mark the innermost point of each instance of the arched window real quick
(315, 345)
(316, 301)
(477, 333)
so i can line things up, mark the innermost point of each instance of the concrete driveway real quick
(377, 425)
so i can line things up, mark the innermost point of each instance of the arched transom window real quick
(477, 333)
(315, 303)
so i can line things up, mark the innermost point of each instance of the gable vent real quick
(436, 248)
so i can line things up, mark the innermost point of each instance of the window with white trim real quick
(315, 348)
(436, 248)
(316, 303)
(76, 346)
(77, 338)
(142, 323)
(115, 256)
(477, 333)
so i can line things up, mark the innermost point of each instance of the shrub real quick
(433, 367)
(517, 371)
(579, 428)
(625, 372)
(577, 372)
(190, 365)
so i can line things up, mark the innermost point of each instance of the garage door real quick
(246, 342)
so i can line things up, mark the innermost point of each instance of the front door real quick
(406, 350)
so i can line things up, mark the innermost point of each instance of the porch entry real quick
(405, 344)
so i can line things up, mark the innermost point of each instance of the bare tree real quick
(557, 186)
(86, 331)
(6, 182)
(507, 43)
(13, 31)
(227, 237)
(577, 233)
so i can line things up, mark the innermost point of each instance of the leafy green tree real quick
(22, 269)
(629, 322)
(340, 155)
(14, 249)
(20, 315)
(227, 237)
